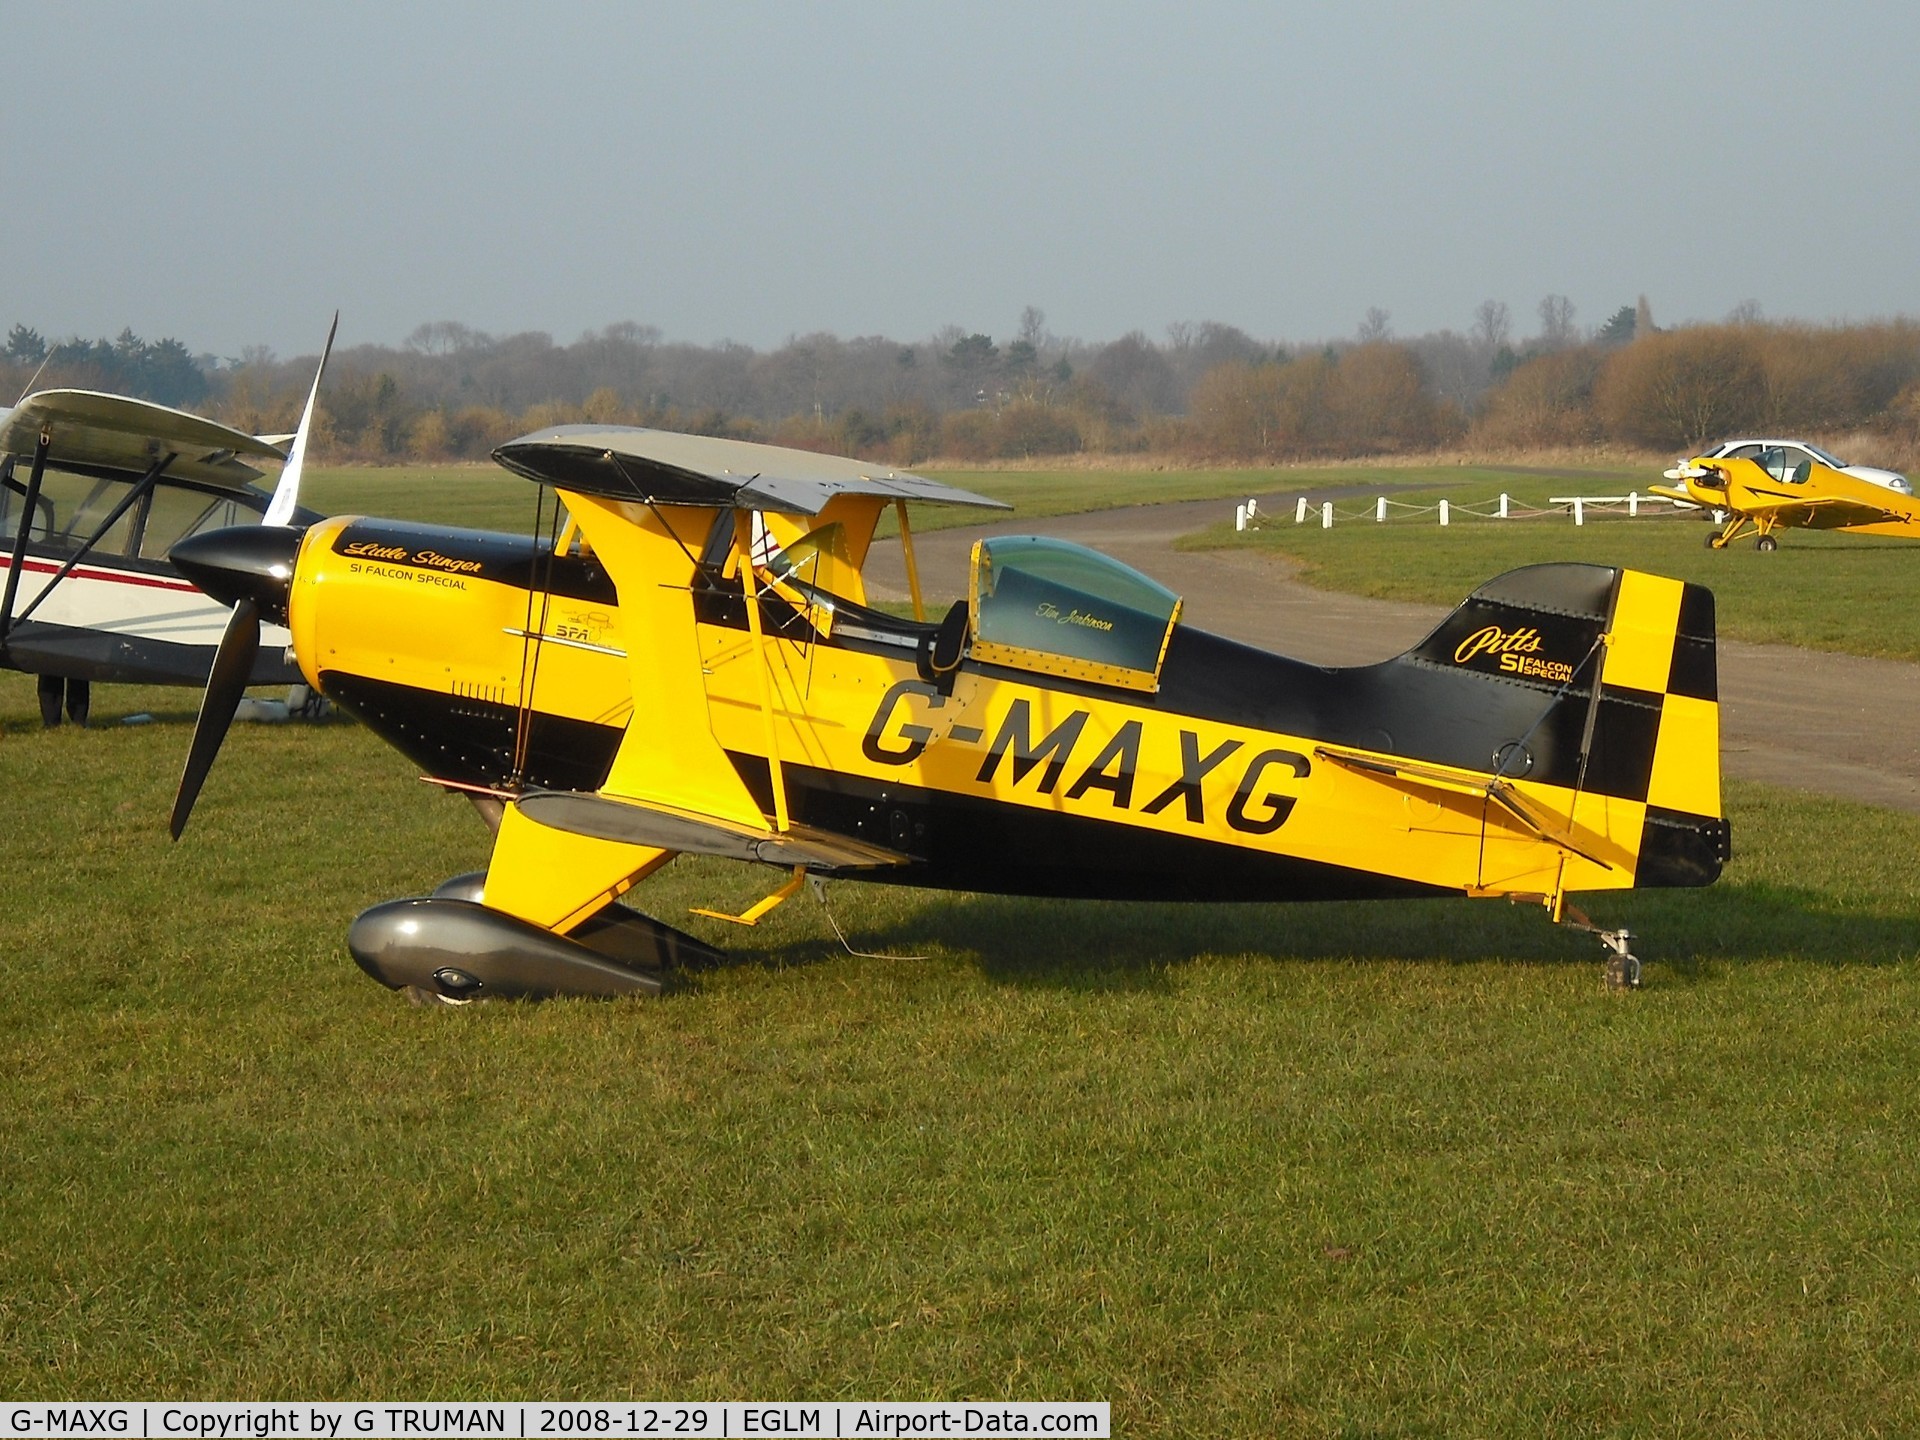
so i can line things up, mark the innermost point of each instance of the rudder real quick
(1651, 733)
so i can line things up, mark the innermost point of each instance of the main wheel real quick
(1766, 542)
(1716, 539)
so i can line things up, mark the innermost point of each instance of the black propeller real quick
(232, 669)
(251, 568)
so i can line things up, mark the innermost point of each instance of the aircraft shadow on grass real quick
(1072, 945)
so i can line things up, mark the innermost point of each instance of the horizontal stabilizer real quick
(635, 822)
(1415, 775)
(661, 467)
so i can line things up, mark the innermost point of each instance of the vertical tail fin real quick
(1624, 699)
(1661, 646)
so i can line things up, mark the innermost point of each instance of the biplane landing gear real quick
(448, 948)
(1766, 543)
(1716, 540)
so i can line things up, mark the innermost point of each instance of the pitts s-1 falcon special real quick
(692, 665)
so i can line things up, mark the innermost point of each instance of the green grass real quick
(1821, 590)
(1314, 1170)
(479, 497)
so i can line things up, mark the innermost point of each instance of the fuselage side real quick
(497, 665)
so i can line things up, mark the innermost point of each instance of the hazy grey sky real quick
(228, 174)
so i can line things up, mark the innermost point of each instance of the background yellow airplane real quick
(1762, 497)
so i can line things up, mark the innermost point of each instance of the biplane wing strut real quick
(42, 445)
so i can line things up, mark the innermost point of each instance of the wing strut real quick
(25, 532)
(750, 588)
(127, 502)
(906, 552)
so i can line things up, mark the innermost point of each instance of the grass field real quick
(1336, 1170)
(1318, 1170)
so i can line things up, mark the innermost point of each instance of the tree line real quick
(164, 370)
(1206, 391)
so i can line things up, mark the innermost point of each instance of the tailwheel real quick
(1623, 968)
(1766, 542)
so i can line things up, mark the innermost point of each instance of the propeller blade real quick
(286, 494)
(232, 668)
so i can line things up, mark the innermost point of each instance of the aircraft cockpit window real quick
(69, 509)
(175, 513)
(1047, 605)
(12, 495)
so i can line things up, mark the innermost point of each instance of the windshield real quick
(1047, 604)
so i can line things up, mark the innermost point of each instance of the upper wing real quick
(117, 432)
(619, 462)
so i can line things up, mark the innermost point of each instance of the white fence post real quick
(1633, 503)
(1300, 512)
(1239, 517)
(1503, 504)
(1326, 515)
(1443, 512)
(1380, 508)
(1579, 511)
(1253, 506)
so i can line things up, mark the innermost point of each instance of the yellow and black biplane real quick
(692, 663)
(1782, 488)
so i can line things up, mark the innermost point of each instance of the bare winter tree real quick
(1033, 327)
(444, 337)
(1376, 325)
(1556, 323)
(1492, 325)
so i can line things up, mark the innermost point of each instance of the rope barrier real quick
(1248, 516)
